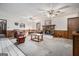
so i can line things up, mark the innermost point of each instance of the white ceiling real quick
(33, 9)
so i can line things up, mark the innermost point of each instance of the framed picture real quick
(16, 23)
(22, 25)
(48, 22)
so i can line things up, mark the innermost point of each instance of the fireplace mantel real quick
(48, 29)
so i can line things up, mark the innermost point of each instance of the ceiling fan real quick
(54, 12)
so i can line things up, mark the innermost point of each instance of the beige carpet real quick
(48, 47)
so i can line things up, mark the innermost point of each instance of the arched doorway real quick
(3, 26)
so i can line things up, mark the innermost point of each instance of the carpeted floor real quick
(48, 47)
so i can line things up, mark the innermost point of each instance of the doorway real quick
(3, 27)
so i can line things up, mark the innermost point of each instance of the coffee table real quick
(36, 37)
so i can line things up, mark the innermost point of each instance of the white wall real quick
(28, 24)
(60, 22)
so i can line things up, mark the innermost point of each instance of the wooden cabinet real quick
(73, 25)
(75, 44)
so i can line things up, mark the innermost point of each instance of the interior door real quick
(1, 28)
(73, 25)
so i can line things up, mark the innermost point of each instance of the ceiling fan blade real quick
(64, 7)
(41, 10)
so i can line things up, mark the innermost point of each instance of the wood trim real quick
(10, 33)
(61, 33)
(73, 17)
(58, 33)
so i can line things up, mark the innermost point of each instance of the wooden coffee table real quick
(37, 37)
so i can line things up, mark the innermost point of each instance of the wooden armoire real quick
(73, 28)
(73, 25)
